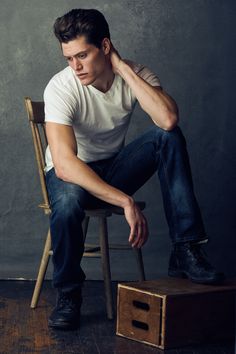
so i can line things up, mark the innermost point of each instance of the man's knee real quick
(174, 136)
(67, 207)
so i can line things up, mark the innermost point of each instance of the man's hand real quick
(138, 225)
(115, 59)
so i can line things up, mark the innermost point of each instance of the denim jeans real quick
(156, 150)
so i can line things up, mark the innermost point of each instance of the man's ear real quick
(106, 46)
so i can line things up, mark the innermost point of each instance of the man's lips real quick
(82, 75)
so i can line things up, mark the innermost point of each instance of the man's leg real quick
(166, 152)
(66, 201)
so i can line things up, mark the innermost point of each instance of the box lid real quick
(176, 286)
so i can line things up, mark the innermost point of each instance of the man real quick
(87, 108)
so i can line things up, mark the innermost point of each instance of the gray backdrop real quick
(190, 44)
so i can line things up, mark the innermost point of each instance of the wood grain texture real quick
(169, 313)
(24, 330)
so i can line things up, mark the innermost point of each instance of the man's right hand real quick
(138, 225)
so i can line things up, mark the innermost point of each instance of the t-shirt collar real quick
(110, 92)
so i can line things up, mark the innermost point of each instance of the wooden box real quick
(171, 312)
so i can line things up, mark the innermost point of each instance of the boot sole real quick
(177, 274)
(63, 326)
(184, 275)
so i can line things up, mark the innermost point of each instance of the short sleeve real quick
(145, 73)
(59, 104)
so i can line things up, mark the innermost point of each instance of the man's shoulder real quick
(63, 79)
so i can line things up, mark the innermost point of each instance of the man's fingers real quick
(138, 227)
(139, 235)
(142, 236)
(132, 235)
(142, 241)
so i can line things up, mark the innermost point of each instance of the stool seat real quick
(120, 211)
(103, 211)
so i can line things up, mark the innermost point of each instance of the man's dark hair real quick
(80, 22)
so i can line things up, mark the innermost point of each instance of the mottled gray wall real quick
(190, 44)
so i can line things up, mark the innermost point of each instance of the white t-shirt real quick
(99, 120)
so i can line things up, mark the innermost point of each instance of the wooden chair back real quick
(35, 112)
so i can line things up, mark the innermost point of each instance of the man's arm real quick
(154, 101)
(70, 168)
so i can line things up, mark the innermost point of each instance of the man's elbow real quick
(171, 122)
(61, 173)
(64, 166)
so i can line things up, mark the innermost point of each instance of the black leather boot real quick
(187, 261)
(66, 314)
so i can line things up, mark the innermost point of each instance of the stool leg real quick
(42, 271)
(139, 260)
(106, 265)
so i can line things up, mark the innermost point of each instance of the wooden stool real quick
(168, 313)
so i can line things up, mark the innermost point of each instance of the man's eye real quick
(82, 56)
(69, 59)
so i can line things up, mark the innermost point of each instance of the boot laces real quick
(200, 255)
(68, 301)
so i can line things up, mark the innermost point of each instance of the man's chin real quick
(86, 81)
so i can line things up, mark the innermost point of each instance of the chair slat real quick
(38, 112)
(38, 146)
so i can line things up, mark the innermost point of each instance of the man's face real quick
(87, 61)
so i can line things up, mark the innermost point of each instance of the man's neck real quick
(105, 82)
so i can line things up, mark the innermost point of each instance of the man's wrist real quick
(120, 69)
(127, 202)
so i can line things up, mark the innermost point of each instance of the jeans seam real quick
(167, 183)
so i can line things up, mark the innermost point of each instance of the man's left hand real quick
(115, 58)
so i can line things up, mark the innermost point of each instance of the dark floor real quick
(23, 330)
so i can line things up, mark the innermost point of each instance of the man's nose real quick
(76, 64)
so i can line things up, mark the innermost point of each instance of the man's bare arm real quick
(70, 168)
(154, 101)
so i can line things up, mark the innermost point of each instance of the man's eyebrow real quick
(79, 53)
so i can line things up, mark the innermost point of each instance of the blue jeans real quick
(155, 150)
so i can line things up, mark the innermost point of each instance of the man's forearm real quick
(155, 102)
(76, 171)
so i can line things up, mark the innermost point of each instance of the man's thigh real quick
(59, 190)
(136, 163)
